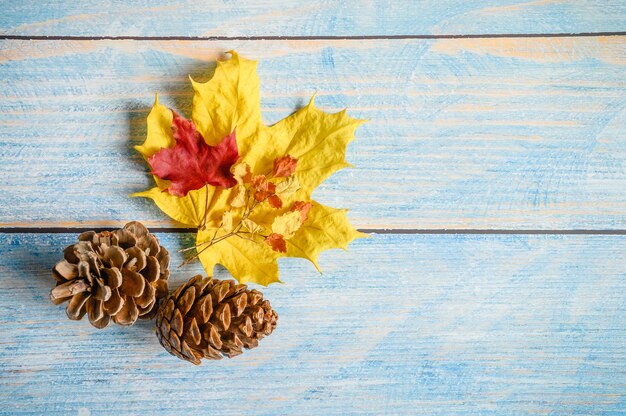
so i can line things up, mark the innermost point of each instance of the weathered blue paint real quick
(497, 133)
(305, 18)
(397, 325)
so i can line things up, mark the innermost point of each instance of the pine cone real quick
(210, 318)
(119, 275)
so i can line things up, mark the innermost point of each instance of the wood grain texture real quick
(397, 325)
(464, 133)
(305, 18)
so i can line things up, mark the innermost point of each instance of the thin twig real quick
(247, 238)
(212, 241)
(236, 231)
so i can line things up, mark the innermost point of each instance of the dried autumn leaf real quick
(251, 226)
(262, 187)
(238, 198)
(285, 166)
(227, 221)
(303, 208)
(191, 163)
(287, 224)
(287, 187)
(316, 139)
(276, 242)
(275, 201)
(241, 172)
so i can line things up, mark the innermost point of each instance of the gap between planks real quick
(459, 231)
(338, 37)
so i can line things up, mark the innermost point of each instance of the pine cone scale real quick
(193, 331)
(176, 324)
(69, 289)
(185, 301)
(147, 297)
(114, 304)
(152, 270)
(94, 310)
(65, 270)
(133, 283)
(114, 277)
(100, 291)
(128, 314)
(168, 309)
(76, 308)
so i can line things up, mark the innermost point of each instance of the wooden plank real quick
(476, 133)
(300, 18)
(400, 324)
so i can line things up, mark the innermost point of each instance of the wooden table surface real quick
(492, 178)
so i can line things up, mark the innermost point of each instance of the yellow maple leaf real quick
(318, 140)
(325, 228)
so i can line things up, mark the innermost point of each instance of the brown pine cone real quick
(210, 318)
(113, 275)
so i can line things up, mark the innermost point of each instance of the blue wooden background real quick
(492, 178)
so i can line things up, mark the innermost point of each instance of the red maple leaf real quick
(191, 163)
(277, 242)
(285, 166)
